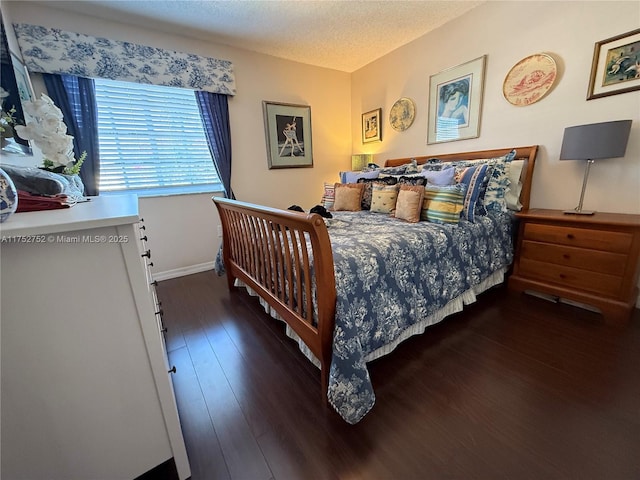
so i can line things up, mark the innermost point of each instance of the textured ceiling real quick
(339, 34)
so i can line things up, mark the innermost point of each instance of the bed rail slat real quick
(286, 258)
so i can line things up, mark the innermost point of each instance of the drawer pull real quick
(566, 256)
(142, 227)
(150, 264)
(147, 254)
(562, 276)
(154, 283)
(144, 238)
(164, 329)
(173, 370)
(570, 236)
(160, 312)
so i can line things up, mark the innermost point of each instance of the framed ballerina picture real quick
(288, 135)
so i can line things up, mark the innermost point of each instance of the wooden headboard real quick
(528, 154)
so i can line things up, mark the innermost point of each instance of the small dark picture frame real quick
(372, 126)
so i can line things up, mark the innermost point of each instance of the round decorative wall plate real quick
(402, 114)
(530, 79)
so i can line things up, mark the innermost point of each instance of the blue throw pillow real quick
(352, 177)
(440, 177)
(476, 179)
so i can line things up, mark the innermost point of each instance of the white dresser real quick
(85, 384)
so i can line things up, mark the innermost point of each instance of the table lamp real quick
(359, 162)
(595, 141)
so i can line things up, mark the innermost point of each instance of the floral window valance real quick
(51, 50)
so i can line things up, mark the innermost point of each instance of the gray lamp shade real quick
(595, 141)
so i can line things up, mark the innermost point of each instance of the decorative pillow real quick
(475, 178)
(383, 198)
(368, 183)
(407, 168)
(329, 196)
(348, 196)
(409, 203)
(353, 177)
(443, 204)
(494, 198)
(412, 180)
(440, 177)
(512, 195)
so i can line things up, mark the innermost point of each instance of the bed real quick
(351, 288)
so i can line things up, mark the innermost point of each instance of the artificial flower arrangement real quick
(49, 132)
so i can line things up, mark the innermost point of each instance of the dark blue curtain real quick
(75, 96)
(214, 110)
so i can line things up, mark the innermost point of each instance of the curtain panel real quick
(51, 50)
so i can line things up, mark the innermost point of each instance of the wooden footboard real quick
(286, 258)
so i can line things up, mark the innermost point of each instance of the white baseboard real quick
(181, 272)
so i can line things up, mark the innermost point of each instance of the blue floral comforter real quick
(393, 279)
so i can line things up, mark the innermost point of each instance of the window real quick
(152, 141)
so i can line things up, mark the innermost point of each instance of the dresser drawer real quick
(585, 259)
(618, 242)
(570, 277)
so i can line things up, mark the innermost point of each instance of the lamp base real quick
(579, 212)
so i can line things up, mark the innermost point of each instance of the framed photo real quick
(371, 126)
(455, 101)
(616, 66)
(23, 81)
(288, 135)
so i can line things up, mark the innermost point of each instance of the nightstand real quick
(590, 259)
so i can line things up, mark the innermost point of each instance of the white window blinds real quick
(152, 140)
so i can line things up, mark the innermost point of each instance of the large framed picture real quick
(288, 135)
(455, 101)
(371, 126)
(616, 66)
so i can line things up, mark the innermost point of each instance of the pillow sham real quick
(512, 195)
(494, 197)
(384, 198)
(440, 177)
(409, 204)
(348, 196)
(412, 180)
(353, 177)
(443, 204)
(368, 183)
(328, 196)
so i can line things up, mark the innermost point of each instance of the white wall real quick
(507, 32)
(183, 229)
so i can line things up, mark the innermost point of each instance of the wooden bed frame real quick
(263, 247)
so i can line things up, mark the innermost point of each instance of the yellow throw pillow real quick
(348, 196)
(409, 203)
(383, 198)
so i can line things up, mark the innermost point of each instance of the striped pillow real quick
(329, 196)
(476, 179)
(443, 204)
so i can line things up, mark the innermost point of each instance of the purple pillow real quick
(442, 177)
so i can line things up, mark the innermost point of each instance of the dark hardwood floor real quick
(514, 387)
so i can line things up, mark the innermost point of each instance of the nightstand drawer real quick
(570, 277)
(618, 242)
(585, 259)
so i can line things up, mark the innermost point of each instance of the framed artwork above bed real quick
(455, 101)
(288, 135)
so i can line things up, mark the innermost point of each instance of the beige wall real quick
(507, 32)
(183, 229)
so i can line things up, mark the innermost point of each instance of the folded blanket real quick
(32, 203)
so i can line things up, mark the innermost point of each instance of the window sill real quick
(166, 192)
